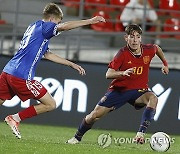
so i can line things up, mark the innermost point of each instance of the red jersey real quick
(124, 60)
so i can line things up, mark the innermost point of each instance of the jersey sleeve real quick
(155, 49)
(117, 61)
(49, 29)
(152, 49)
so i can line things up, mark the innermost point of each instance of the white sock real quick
(16, 117)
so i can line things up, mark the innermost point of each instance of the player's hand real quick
(128, 72)
(165, 70)
(79, 69)
(97, 19)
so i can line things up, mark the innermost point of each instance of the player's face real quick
(133, 40)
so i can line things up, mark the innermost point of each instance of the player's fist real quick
(165, 70)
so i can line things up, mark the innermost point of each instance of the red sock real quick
(27, 113)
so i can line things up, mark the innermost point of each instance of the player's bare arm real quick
(113, 74)
(57, 59)
(160, 54)
(74, 24)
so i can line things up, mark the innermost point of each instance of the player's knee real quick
(153, 100)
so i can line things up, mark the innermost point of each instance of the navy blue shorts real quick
(116, 99)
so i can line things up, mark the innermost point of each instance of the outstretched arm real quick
(57, 59)
(74, 24)
(160, 54)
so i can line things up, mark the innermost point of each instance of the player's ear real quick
(140, 39)
(51, 18)
(126, 37)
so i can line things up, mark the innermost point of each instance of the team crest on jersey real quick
(146, 59)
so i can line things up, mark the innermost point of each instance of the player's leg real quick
(111, 101)
(47, 103)
(88, 121)
(26, 90)
(150, 100)
(104, 106)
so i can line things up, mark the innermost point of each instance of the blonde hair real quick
(52, 9)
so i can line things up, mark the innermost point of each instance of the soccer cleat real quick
(73, 140)
(139, 138)
(13, 125)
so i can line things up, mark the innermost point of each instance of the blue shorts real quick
(116, 99)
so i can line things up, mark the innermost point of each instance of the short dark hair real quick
(52, 9)
(133, 27)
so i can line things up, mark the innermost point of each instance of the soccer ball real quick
(160, 142)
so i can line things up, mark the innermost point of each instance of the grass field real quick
(40, 139)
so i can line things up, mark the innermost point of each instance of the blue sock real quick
(147, 117)
(83, 128)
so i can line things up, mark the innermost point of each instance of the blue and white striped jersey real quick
(33, 46)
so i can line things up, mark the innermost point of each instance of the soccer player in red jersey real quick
(17, 76)
(129, 70)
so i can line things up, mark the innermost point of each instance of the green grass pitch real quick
(38, 139)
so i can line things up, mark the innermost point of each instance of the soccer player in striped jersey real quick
(17, 76)
(129, 70)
